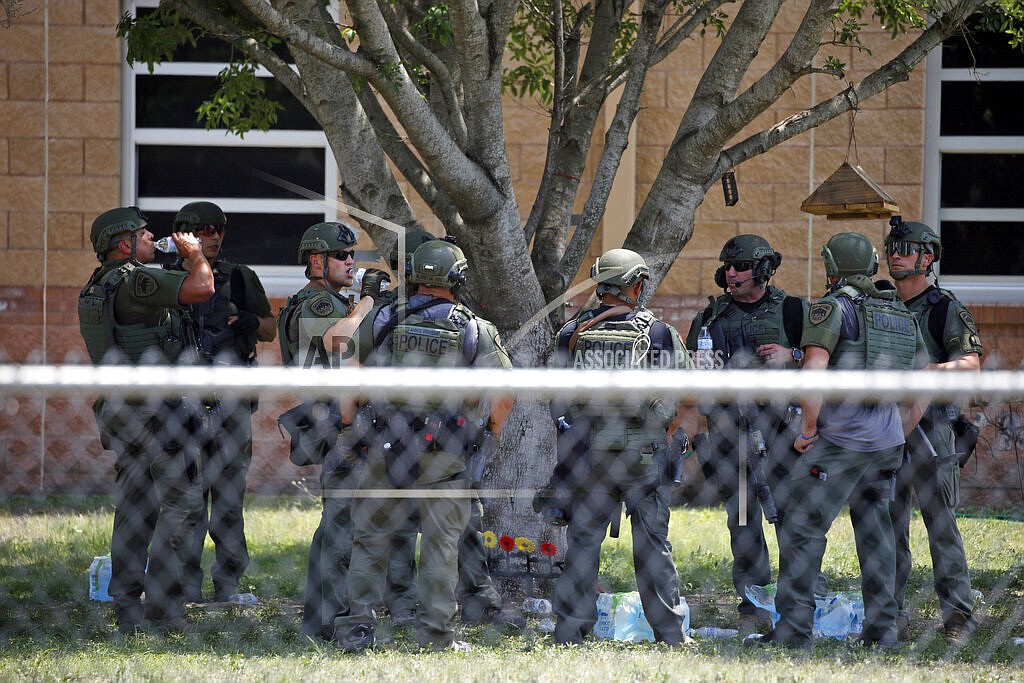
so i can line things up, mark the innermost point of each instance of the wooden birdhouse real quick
(850, 194)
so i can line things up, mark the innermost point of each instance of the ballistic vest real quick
(287, 322)
(888, 336)
(447, 342)
(101, 331)
(738, 333)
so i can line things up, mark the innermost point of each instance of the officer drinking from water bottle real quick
(132, 315)
(617, 455)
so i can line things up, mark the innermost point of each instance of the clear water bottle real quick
(546, 625)
(166, 245)
(99, 579)
(705, 349)
(537, 606)
(243, 599)
(715, 632)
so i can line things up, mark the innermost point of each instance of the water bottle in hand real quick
(166, 245)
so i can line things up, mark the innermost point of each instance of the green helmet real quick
(194, 215)
(326, 237)
(413, 239)
(110, 224)
(617, 270)
(849, 253)
(905, 237)
(753, 249)
(438, 263)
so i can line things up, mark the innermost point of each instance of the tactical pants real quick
(936, 481)
(751, 565)
(476, 591)
(575, 598)
(157, 504)
(226, 452)
(814, 502)
(330, 554)
(376, 520)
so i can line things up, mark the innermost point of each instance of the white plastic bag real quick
(837, 615)
(620, 616)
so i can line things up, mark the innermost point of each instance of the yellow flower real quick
(525, 544)
(490, 539)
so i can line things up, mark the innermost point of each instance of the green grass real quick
(49, 630)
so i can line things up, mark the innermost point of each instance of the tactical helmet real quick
(110, 224)
(413, 239)
(849, 253)
(194, 215)
(326, 237)
(905, 237)
(750, 248)
(619, 268)
(438, 263)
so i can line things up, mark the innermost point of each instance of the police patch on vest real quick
(820, 312)
(892, 323)
(143, 284)
(968, 320)
(322, 307)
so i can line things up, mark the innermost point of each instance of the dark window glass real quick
(982, 180)
(981, 49)
(172, 101)
(973, 108)
(170, 171)
(209, 49)
(970, 248)
(251, 238)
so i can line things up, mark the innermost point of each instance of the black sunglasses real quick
(342, 254)
(740, 265)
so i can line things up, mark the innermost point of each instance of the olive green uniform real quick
(130, 313)
(860, 446)
(423, 446)
(618, 458)
(737, 329)
(936, 478)
(226, 445)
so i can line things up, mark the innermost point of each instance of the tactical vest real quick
(738, 333)
(287, 333)
(440, 342)
(888, 338)
(101, 331)
(619, 344)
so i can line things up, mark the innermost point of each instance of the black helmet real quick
(326, 237)
(413, 239)
(194, 215)
(110, 224)
(752, 249)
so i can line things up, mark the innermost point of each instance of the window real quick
(974, 160)
(170, 159)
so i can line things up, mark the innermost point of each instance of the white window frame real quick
(968, 288)
(276, 280)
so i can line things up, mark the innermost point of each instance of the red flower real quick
(507, 543)
(548, 549)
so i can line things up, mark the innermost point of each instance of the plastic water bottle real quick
(357, 279)
(705, 348)
(247, 599)
(537, 606)
(547, 625)
(715, 632)
(99, 579)
(166, 245)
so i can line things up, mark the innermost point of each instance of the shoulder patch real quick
(143, 284)
(819, 312)
(322, 307)
(968, 320)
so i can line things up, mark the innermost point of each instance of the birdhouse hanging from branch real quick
(850, 194)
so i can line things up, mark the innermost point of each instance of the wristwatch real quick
(798, 356)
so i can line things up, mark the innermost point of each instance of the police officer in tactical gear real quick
(328, 252)
(129, 314)
(752, 325)
(423, 443)
(949, 332)
(615, 453)
(227, 327)
(850, 451)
